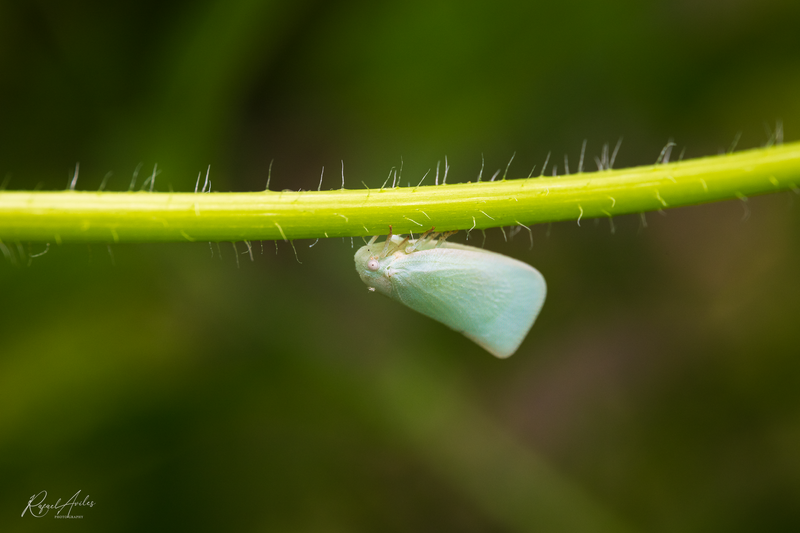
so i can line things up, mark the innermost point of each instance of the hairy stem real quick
(82, 216)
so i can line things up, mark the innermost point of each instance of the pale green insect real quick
(490, 298)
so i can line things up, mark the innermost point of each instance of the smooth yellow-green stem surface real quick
(82, 216)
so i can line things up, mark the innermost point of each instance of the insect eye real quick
(373, 265)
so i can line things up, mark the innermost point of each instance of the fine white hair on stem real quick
(497, 172)
(446, 170)
(614, 154)
(342, 173)
(105, 180)
(269, 173)
(480, 174)
(249, 250)
(197, 183)
(21, 250)
(319, 187)
(474, 222)
(566, 164)
(603, 165)
(235, 254)
(436, 182)
(664, 151)
(668, 154)
(735, 141)
(610, 221)
(504, 233)
(387, 178)
(546, 160)
(423, 178)
(207, 183)
(74, 177)
(151, 179)
(508, 165)
(530, 232)
(280, 229)
(400, 174)
(135, 176)
(774, 137)
(313, 243)
(583, 152)
(40, 254)
(580, 216)
(743, 198)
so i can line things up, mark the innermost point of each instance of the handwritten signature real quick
(38, 508)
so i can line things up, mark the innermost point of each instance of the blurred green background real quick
(658, 391)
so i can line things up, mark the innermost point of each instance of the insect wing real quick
(490, 298)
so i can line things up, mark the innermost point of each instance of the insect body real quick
(490, 298)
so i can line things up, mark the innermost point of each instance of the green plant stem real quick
(82, 216)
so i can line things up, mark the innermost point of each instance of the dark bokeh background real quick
(658, 391)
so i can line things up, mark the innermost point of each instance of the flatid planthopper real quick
(490, 298)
